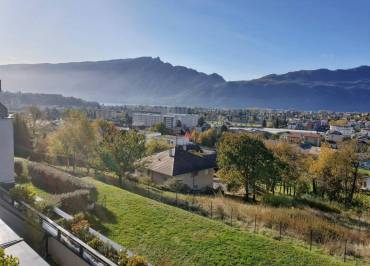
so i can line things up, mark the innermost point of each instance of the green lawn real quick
(164, 233)
(364, 171)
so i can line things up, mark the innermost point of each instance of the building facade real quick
(6, 148)
(169, 120)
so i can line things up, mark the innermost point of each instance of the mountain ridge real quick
(148, 80)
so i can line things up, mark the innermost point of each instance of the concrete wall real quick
(6, 151)
(198, 180)
(62, 255)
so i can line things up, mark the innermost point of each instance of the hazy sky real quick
(237, 39)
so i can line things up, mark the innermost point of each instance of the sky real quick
(237, 39)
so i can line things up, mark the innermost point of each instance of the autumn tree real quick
(207, 138)
(120, 150)
(35, 114)
(243, 161)
(154, 146)
(73, 140)
(290, 165)
(336, 172)
(161, 128)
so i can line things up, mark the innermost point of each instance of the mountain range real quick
(147, 80)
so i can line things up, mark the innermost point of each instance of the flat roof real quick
(14, 245)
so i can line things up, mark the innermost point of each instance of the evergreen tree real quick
(23, 146)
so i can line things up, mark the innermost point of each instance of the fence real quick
(333, 237)
(337, 240)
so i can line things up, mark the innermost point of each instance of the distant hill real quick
(148, 80)
(18, 100)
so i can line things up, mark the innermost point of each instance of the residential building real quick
(6, 148)
(313, 139)
(365, 131)
(193, 168)
(346, 131)
(187, 120)
(365, 183)
(334, 136)
(146, 119)
(169, 120)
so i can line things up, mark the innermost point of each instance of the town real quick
(184, 133)
(180, 156)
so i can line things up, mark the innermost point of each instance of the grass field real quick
(364, 171)
(167, 234)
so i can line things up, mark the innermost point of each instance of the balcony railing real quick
(30, 214)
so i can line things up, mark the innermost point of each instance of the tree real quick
(207, 138)
(155, 146)
(324, 170)
(290, 166)
(120, 151)
(74, 140)
(264, 123)
(243, 160)
(223, 128)
(161, 128)
(23, 145)
(35, 113)
(201, 121)
(178, 123)
(349, 162)
(336, 172)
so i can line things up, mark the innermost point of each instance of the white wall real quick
(6, 151)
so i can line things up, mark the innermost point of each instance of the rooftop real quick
(15, 246)
(178, 161)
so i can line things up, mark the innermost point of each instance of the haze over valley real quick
(151, 81)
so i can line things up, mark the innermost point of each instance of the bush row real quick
(21, 170)
(73, 194)
(75, 201)
(54, 180)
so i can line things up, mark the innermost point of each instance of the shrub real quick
(75, 201)
(54, 180)
(137, 261)
(81, 229)
(8, 260)
(95, 243)
(23, 194)
(277, 201)
(74, 194)
(46, 207)
(317, 204)
(122, 258)
(21, 171)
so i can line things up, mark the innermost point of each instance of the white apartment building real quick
(187, 120)
(170, 120)
(146, 119)
(345, 130)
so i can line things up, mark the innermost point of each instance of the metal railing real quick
(77, 246)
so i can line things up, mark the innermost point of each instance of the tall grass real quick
(296, 222)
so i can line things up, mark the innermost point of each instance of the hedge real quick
(73, 194)
(21, 170)
(75, 201)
